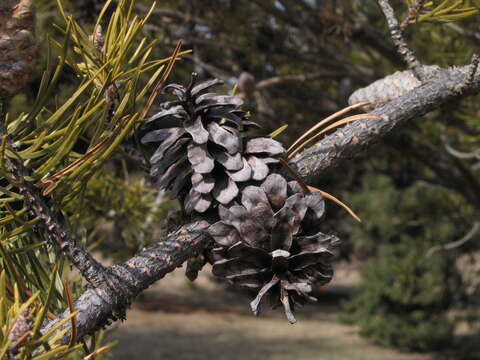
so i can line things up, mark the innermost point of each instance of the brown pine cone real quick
(207, 157)
(267, 243)
(17, 45)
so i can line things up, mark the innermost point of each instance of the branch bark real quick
(97, 307)
(52, 221)
(355, 137)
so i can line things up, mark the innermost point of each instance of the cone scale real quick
(267, 235)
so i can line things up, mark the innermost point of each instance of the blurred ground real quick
(179, 320)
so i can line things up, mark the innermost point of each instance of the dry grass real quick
(207, 321)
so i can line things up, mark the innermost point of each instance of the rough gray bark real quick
(396, 33)
(109, 301)
(445, 86)
(52, 222)
(97, 307)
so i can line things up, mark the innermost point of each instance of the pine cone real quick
(266, 243)
(205, 159)
(17, 45)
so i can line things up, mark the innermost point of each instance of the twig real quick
(475, 154)
(456, 244)
(97, 307)
(53, 223)
(470, 77)
(412, 14)
(402, 47)
(460, 154)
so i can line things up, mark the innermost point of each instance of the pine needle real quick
(294, 174)
(162, 80)
(71, 307)
(335, 200)
(330, 127)
(97, 352)
(327, 120)
(308, 188)
(277, 132)
(49, 182)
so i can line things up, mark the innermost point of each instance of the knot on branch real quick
(390, 87)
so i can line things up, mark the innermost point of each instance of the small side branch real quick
(99, 306)
(53, 223)
(412, 14)
(470, 77)
(397, 36)
(460, 154)
(456, 244)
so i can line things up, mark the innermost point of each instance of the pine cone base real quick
(266, 243)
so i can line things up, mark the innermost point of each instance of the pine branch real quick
(455, 244)
(345, 143)
(396, 33)
(110, 300)
(52, 222)
(98, 306)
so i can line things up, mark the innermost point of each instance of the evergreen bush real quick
(404, 300)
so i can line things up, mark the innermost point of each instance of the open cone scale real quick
(267, 236)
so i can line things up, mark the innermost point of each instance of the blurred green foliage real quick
(404, 299)
(120, 214)
(407, 296)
